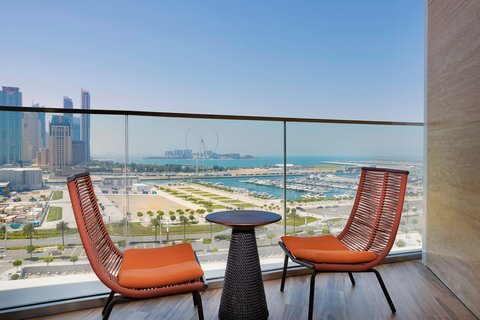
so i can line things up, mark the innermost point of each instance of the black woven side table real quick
(243, 295)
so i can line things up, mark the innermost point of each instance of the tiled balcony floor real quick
(416, 292)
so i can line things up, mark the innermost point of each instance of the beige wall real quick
(453, 146)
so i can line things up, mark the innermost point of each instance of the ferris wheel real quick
(203, 141)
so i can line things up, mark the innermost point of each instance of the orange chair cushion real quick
(159, 267)
(325, 249)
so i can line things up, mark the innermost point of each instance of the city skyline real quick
(23, 135)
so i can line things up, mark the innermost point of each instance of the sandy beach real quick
(145, 202)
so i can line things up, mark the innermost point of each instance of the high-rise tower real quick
(31, 134)
(74, 121)
(43, 126)
(85, 128)
(10, 127)
(59, 144)
(67, 103)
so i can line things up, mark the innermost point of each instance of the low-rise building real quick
(118, 181)
(4, 188)
(21, 179)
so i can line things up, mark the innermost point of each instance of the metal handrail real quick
(207, 116)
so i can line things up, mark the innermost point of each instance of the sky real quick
(357, 60)
(326, 59)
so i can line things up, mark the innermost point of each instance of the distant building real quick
(60, 144)
(179, 154)
(31, 135)
(4, 187)
(118, 181)
(10, 127)
(85, 124)
(76, 135)
(41, 158)
(78, 155)
(232, 155)
(43, 126)
(68, 104)
(140, 188)
(22, 179)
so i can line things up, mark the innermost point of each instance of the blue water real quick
(260, 162)
(236, 182)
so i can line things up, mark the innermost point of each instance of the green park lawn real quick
(54, 214)
(57, 195)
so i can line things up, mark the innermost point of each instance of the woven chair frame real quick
(104, 257)
(372, 226)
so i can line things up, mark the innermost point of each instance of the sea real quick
(264, 161)
(236, 182)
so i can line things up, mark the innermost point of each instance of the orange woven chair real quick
(137, 273)
(366, 239)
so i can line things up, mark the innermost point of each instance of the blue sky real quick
(322, 59)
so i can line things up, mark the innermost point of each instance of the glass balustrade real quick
(156, 177)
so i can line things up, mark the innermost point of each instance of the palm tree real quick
(185, 222)
(30, 250)
(17, 263)
(156, 223)
(29, 230)
(47, 260)
(73, 259)
(62, 226)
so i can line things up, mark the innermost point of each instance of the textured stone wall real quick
(453, 147)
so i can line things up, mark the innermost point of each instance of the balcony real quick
(417, 292)
(156, 176)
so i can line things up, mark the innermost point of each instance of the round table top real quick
(243, 218)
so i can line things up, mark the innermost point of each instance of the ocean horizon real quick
(262, 161)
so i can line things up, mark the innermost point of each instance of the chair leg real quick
(197, 298)
(110, 297)
(352, 279)
(109, 308)
(194, 298)
(384, 289)
(312, 295)
(284, 274)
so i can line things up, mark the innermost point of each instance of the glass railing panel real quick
(324, 162)
(185, 169)
(40, 243)
(156, 178)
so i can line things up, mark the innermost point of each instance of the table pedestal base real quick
(243, 294)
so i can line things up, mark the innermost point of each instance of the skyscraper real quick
(85, 129)
(76, 136)
(31, 135)
(10, 127)
(43, 127)
(60, 144)
(67, 103)
(74, 121)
